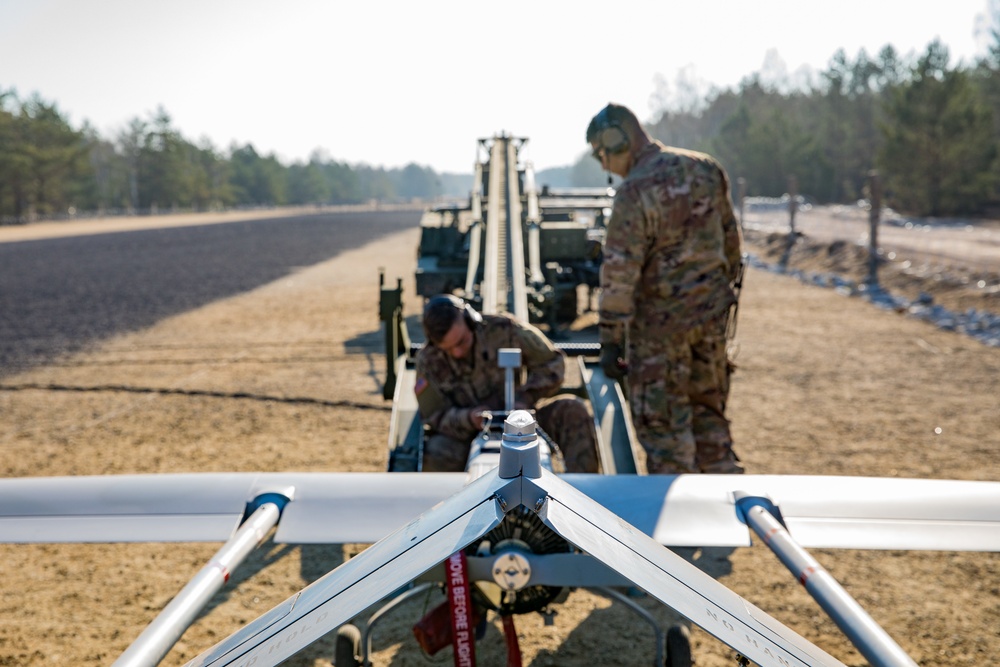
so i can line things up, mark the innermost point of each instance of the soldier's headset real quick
(611, 137)
(472, 317)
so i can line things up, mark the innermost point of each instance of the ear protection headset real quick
(610, 135)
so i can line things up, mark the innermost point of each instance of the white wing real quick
(818, 511)
(208, 507)
(685, 510)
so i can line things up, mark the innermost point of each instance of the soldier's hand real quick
(478, 416)
(613, 361)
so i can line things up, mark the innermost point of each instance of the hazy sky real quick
(388, 82)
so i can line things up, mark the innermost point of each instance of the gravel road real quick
(60, 294)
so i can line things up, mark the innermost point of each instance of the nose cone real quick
(520, 424)
(519, 454)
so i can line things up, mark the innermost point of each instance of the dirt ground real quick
(288, 377)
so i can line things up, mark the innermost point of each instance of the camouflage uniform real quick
(671, 255)
(448, 389)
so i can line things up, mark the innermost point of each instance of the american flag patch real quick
(420, 385)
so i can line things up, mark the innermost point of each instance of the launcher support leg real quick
(868, 636)
(397, 339)
(158, 638)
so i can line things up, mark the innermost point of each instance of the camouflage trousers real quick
(565, 418)
(678, 388)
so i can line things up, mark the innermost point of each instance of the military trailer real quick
(512, 246)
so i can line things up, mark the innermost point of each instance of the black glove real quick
(613, 361)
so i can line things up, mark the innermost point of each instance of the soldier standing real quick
(668, 284)
(458, 380)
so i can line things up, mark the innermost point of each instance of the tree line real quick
(931, 130)
(50, 169)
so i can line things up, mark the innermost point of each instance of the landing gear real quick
(348, 648)
(678, 647)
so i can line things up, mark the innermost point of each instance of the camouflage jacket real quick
(673, 246)
(447, 388)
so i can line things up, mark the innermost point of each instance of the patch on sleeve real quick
(420, 385)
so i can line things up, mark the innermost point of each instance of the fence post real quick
(793, 188)
(793, 192)
(741, 195)
(874, 214)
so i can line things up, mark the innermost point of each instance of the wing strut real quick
(158, 638)
(518, 481)
(868, 636)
